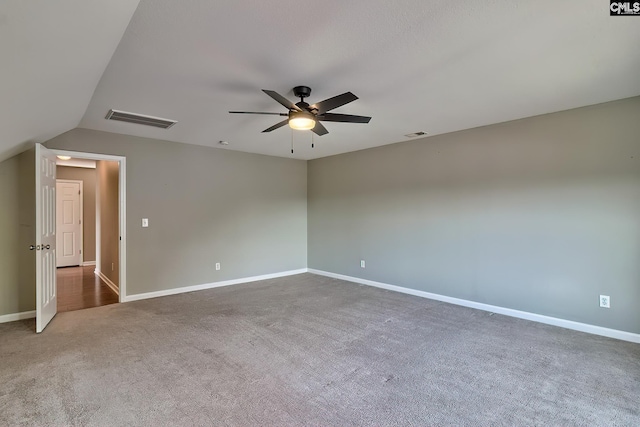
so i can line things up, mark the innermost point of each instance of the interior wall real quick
(205, 205)
(17, 232)
(88, 178)
(107, 220)
(540, 214)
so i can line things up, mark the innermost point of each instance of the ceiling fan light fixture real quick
(302, 120)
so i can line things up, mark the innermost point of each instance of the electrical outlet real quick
(145, 222)
(362, 264)
(605, 301)
(217, 266)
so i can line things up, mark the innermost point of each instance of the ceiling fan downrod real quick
(302, 92)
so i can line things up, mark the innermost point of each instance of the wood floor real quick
(79, 287)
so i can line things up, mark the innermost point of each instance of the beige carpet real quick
(308, 350)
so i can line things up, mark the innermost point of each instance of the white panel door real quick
(68, 223)
(46, 293)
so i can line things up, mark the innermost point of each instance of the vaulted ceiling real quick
(52, 55)
(416, 65)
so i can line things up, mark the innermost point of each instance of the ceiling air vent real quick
(141, 119)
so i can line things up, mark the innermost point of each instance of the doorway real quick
(105, 276)
(80, 281)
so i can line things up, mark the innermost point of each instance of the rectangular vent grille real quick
(141, 119)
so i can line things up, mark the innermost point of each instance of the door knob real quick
(46, 247)
(32, 247)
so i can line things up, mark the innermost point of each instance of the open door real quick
(46, 293)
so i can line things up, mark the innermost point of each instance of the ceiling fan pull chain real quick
(312, 143)
(291, 141)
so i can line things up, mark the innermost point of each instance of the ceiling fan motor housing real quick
(303, 106)
(302, 91)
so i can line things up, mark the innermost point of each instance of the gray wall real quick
(88, 178)
(108, 220)
(540, 214)
(205, 205)
(17, 232)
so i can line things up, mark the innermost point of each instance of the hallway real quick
(80, 287)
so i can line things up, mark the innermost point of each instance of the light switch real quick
(145, 222)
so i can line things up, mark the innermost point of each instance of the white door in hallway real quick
(69, 222)
(45, 244)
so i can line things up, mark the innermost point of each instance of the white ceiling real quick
(53, 54)
(434, 66)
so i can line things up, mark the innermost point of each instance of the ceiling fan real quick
(303, 116)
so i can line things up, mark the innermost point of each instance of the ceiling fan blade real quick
(319, 129)
(282, 100)
(276, 126)
(346, 118)
(258, 112)
(335, 102)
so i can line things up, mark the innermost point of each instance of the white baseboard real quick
(568, 324)
(88, 263)
(175, 291)
(17, 316)
(108, 281)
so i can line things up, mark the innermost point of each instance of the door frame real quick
(77, 181)
(122, 208)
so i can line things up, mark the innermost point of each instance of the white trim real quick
(568, 324)
(107, 281)
(193, 288)
(81, 184)
(17, 316)
(88, 263)
(122, 180)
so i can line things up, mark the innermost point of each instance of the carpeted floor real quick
(309, 350)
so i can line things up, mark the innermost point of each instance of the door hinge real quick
(80, 251)
(78, 191)
(79, 221)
